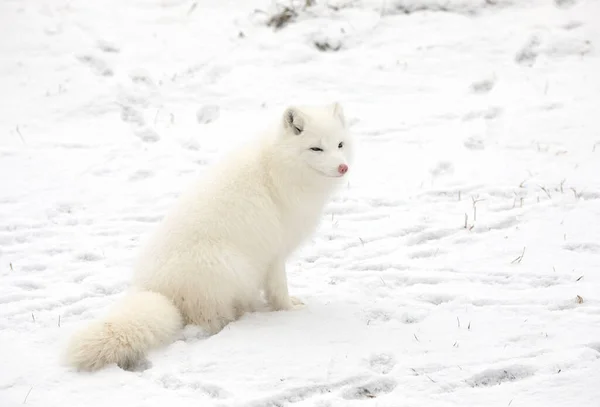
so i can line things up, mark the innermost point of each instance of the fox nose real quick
(342, 169)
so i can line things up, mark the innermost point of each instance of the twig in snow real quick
(577, 195)
(469, 327)
(11, 267)
(25, 400)
(475, 200)
(518, 259)
(59, 321)
(20, 135)
(192, 8)
(381, 278)
(458, 320)
(579, 299)
(33, 317)
(466, 219)
(415, 335)
(546, 191)
(430, 378)
(579, 278)
(362, 241)
(561, 186)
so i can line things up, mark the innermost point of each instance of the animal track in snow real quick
(108, 47)
(587, 247)
(382, 362)
(425, 253)
(33, 267)
(437, 299)
(88, 256)
(207, 114)
(429, 235)
(147, 135)
(174, 383)
(131, 115)
(370, 389)
(529, 53)
(376, 315)
(492, 377)
(297, 394)
(97, 65)
(141, 175)
(474, 143)
(407, 318)
(28, 285)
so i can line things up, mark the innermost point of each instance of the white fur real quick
(226, 240)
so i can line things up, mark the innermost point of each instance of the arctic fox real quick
(226, 240)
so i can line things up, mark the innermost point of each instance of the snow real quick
(458, 268)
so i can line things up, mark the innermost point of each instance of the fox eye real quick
(316, 149)
(341, 144)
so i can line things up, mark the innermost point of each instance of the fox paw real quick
(296, 303)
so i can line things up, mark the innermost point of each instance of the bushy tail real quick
(140, 322)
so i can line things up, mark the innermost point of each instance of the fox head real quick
(318, 139)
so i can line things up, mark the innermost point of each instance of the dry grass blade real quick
(518, 259)
(27, 395)
(546, 191)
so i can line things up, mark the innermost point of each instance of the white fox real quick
(226, 240)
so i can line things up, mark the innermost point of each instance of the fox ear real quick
(338, 112)
(292, 120)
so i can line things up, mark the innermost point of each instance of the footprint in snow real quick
(88, 256)
(131, 115)
(106, 46)
(97, 65)
(33, 267)
(382, 362)
(565, 3)
(529, 52)
(371, 389)
(586, 247)
(208, 114)
(373, 316)
(28, 285)
(492, 377)
(147, 135)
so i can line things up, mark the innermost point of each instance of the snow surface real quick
(459, 268)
